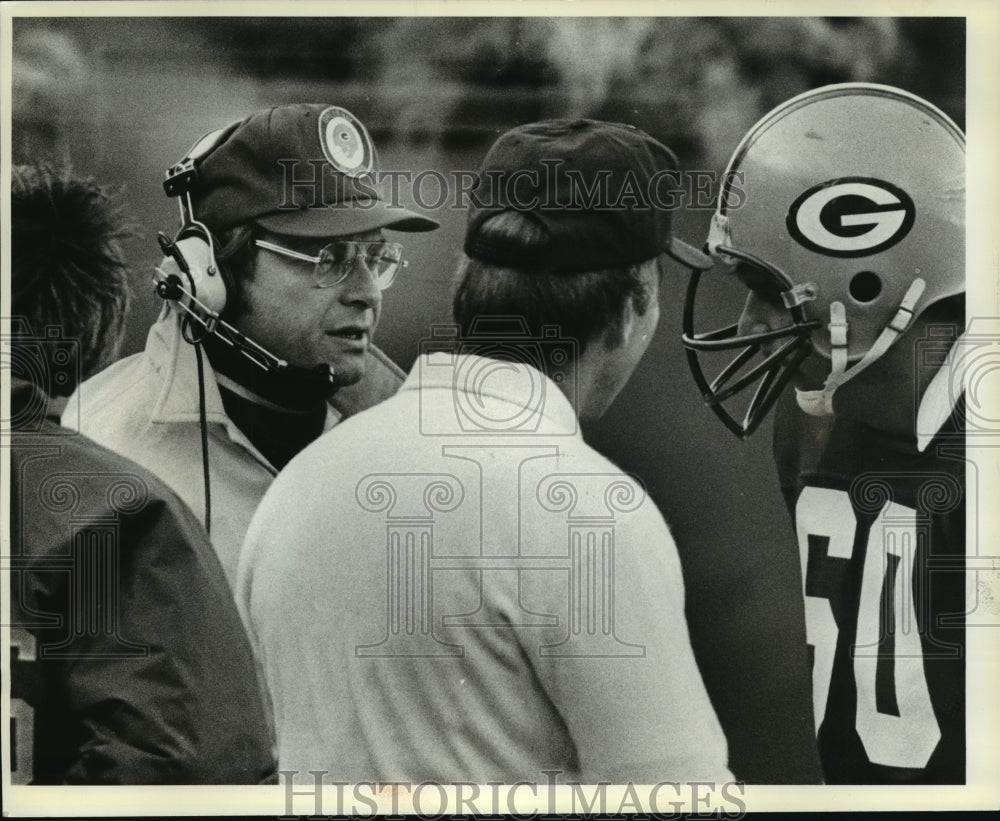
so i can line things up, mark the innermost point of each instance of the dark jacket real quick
(129, 662)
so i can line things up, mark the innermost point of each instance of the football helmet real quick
(847, 202)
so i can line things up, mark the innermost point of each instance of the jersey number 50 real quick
(907, 735)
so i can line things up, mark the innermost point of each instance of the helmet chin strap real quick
(820, 402)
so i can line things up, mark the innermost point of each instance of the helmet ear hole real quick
(865, 286)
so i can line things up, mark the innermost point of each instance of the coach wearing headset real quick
(286, 208)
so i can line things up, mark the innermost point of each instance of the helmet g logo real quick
(850, 217)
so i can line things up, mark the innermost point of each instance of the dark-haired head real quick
(68, 270)
(609, 315)
(586, 307)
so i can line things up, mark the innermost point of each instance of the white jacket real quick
(476, 595)
(146, 407)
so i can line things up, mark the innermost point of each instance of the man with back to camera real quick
(282, 246)
(129, 662)
(484, 597)
(851, 240)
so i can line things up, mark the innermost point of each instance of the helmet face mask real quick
(846, 206)
(771, 375)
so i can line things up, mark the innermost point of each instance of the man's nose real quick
(361, 286)
(761, 315)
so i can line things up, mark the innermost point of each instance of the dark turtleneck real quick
(282, 412)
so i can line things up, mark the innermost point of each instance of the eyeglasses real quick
(336, 261)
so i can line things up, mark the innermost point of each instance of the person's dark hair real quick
(585, 306)
(68, 270)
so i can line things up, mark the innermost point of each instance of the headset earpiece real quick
(189, 262)
(189, 275)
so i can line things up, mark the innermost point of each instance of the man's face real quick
(293, 318)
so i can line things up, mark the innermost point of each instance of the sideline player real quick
(129, 662)
(487, 599)
(849, 235)
(277, 275)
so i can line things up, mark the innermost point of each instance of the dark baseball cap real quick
(601, 190)
(304, 170)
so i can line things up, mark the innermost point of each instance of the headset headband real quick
(182, 176)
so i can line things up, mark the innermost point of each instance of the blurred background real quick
(122, 98)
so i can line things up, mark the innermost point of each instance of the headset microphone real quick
(189, 280)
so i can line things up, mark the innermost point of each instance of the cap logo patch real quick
(850, 217)
(345, 142)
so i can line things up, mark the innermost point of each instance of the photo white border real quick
(983, 229)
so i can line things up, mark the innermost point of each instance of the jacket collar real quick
(538, 404)
(177, 401)
(177, 361)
